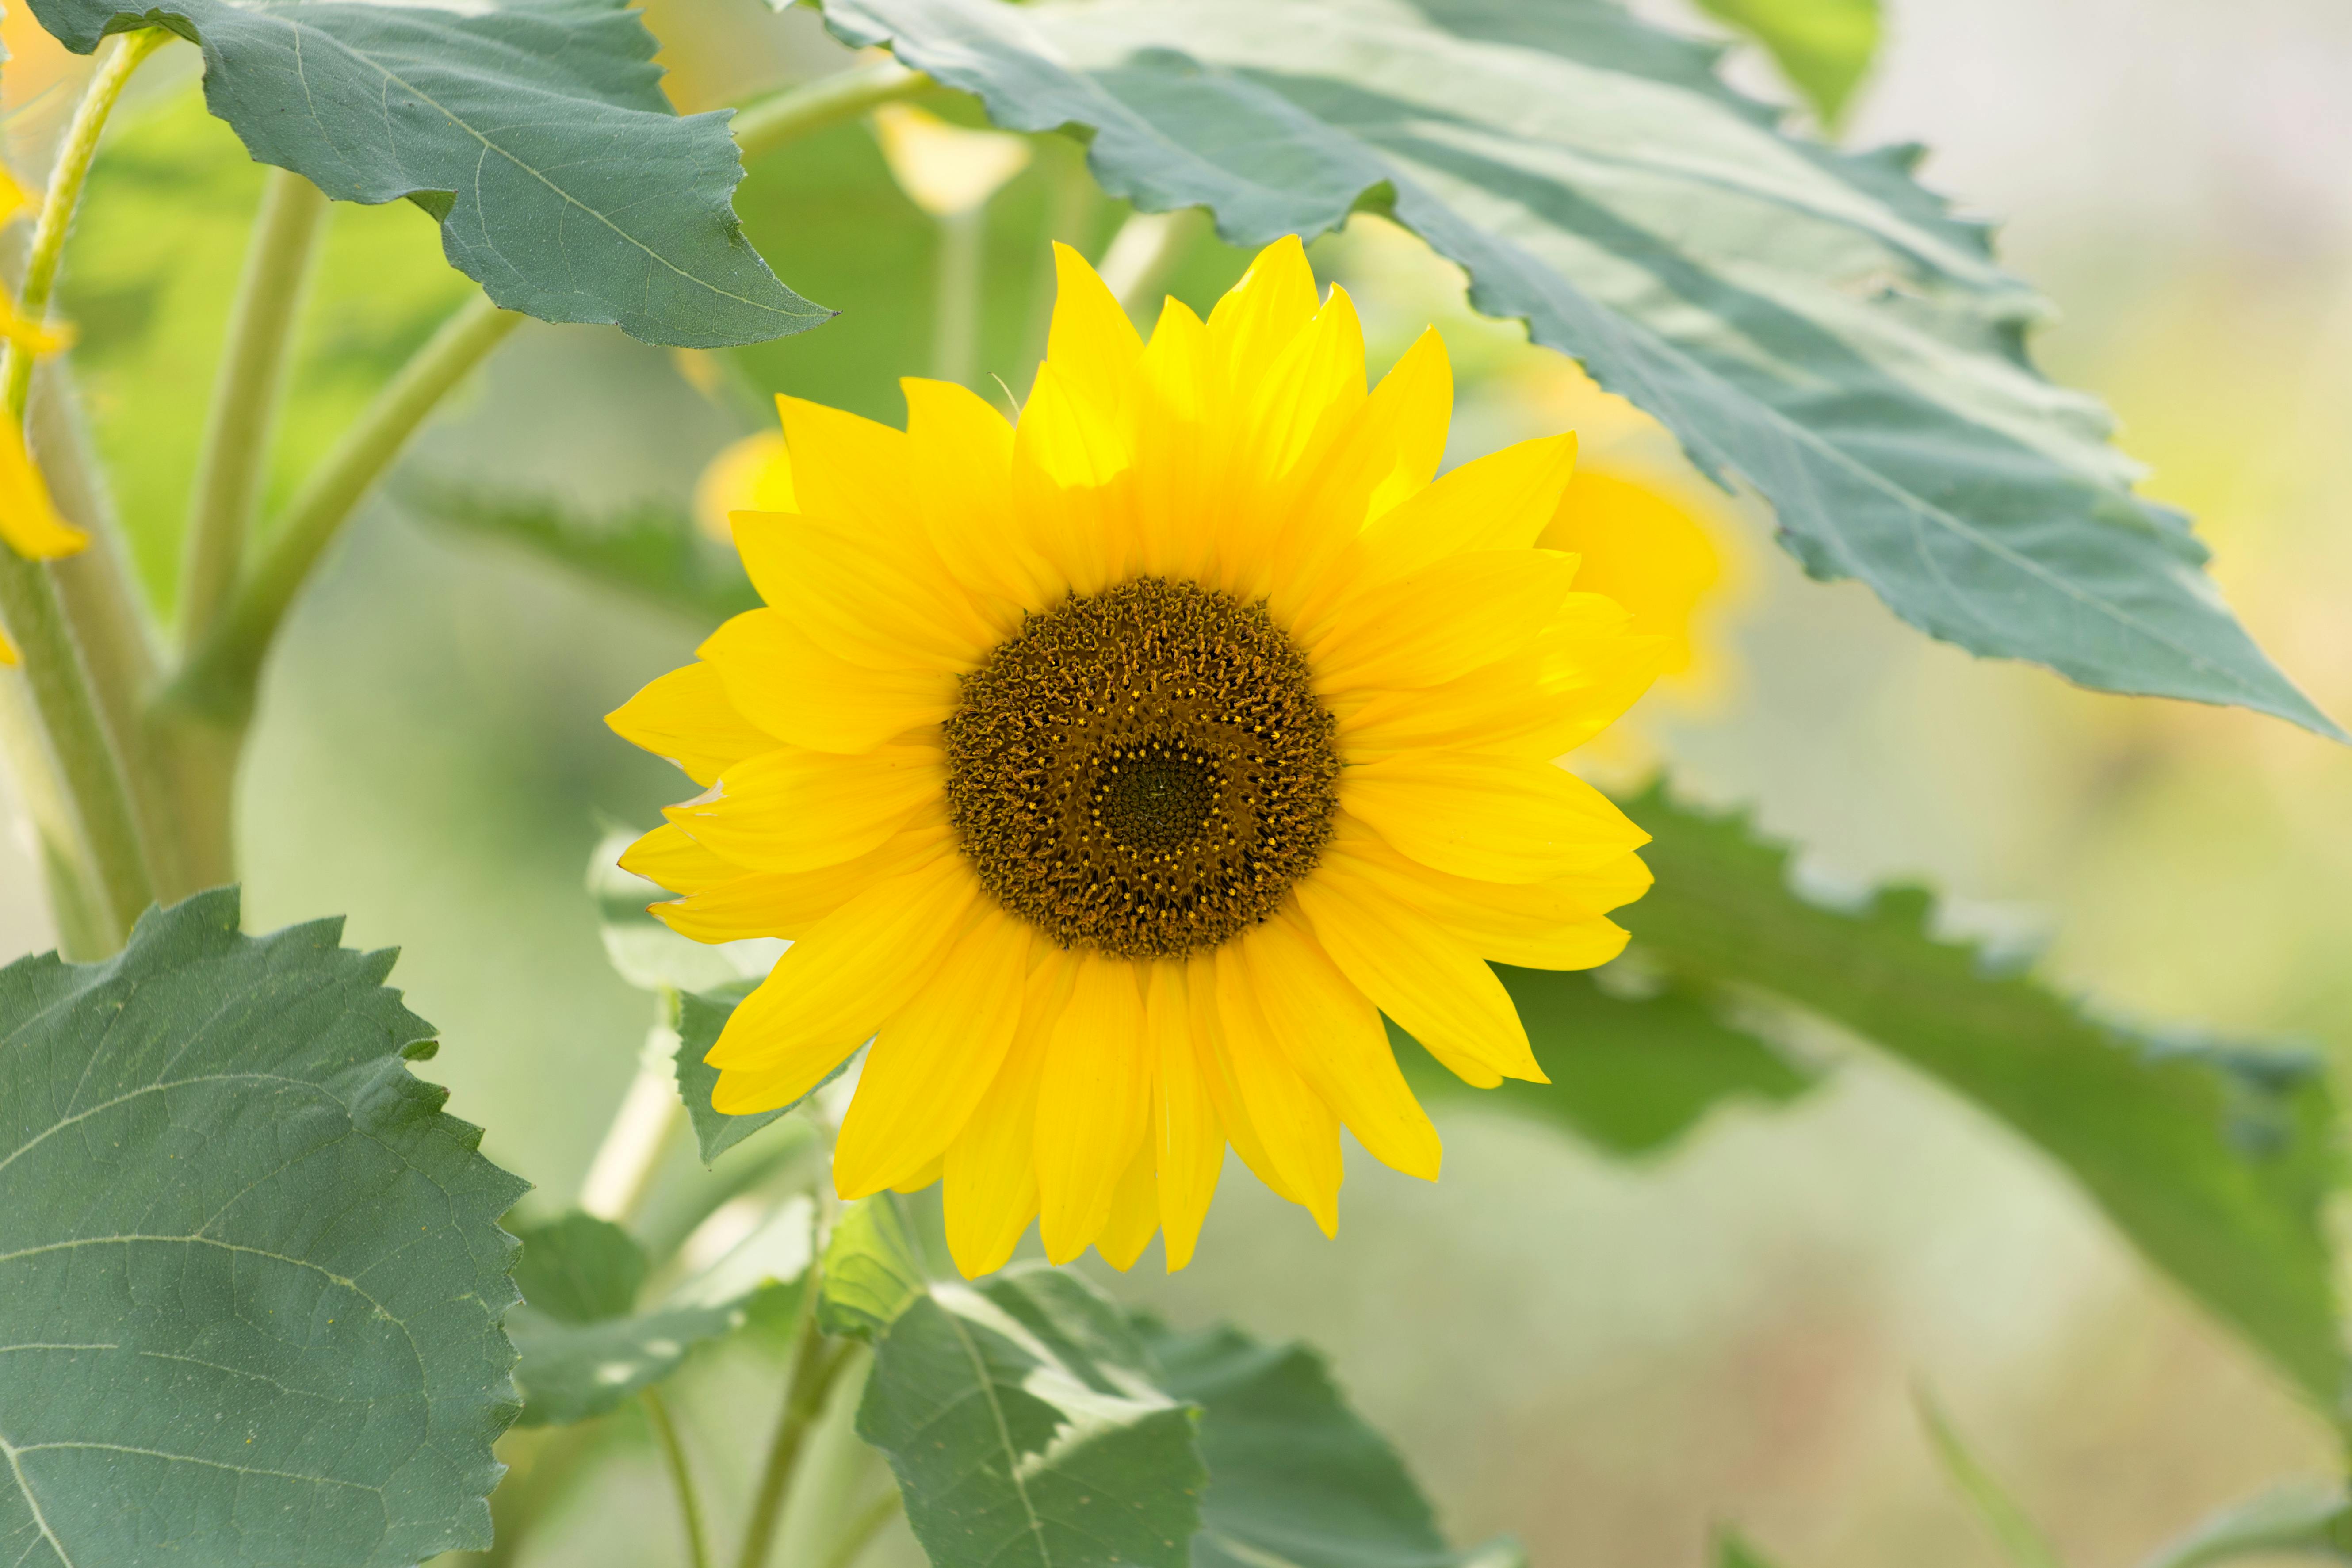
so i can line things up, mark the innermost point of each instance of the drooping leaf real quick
(1629, 1076)
(535, 131)
(873, 1269)
(1296, 1476)
(2306, 1519)
(2021, 1540)
(250, 1276)
(652, 551)
(2213, 1160)
(701, 1016)
(1815, 323)
(1821, 45)
(1023, 1422)
(585, 1347)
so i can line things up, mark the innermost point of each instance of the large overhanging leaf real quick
(250, 1275)
(2216, 1160)
(536, 131)
(1814, 322)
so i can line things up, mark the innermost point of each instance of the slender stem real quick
(1144, 251)
(859, 1532)
(111, 860)
(955, 321)
(812, 1373)
(650, 1111)
(221, 675)
(245, 398)
(66, 181)
(764, 127)
(697, 1552)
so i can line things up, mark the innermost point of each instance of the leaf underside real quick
(2214, 1160)
(250, 1276)
(1812, 321)
(535, 133)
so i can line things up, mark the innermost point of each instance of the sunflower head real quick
(1113, 769)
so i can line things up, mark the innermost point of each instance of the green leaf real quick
(585, 1348)
(1821, 45)
(250, 1275)
(647, 953)
(2021, 1540)
(537, 133)
(2309, 1519)
(2214, 1160)
(651, 551)
(1812, 322)
(701, 1016)
(1295, 1478)
(873, 1269)
(1732, 1550)
(1629, 1076)
(1023, 1422)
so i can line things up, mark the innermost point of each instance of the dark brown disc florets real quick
(1144, 771)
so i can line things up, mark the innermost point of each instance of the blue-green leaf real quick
(535, 131)
(250, 1276)
(1814, 322)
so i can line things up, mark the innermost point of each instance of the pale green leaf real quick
(1815, 323)
(1631, 1076)
(2021, 1540)
(250, 1276)
(1824, 46)
(2309, 1519)
(2215, 1160)
(1295, 1478)
(873, 1269)
(584, 1345)
(535, 131)
(652, 551)
(1023, 1422)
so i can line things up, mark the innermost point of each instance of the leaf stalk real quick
(767, 125)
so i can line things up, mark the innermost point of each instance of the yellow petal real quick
(1092, 1105)
(755, 474)
(1442, 622)
(1214, 1058)
(1091, 344)
(922, 1178)
(1298, 1133)
(687, 717)
(989, 1184)
(1304, 406)
(1175, 528)
(1187, 1143)
(831, 989)
(1258, 316)
(7, 652)
(793, 689)
(1496, 819)
(1640, 549)
(668, 858)
(1068, 460)
(1437, 989)
(1556, 923)
(1415, 405)
(853, 470)
(787, 903)
(1134, 1213)
(934, 1060)
(795, 810)
(1504, 501)
(964, 482)
(1332, 1034)
(880, 599)
(30, 522)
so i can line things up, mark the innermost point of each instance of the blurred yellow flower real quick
(1114, 772)
(755, 474)
(29, 523)
(945, 169)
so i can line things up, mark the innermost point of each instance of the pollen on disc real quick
(1145, 771)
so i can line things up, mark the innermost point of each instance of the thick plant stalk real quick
(814, 1366)
(72, 742)
(245, 397)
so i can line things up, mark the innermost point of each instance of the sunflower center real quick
(1145, 771)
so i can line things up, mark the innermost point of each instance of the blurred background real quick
(1603, 1359)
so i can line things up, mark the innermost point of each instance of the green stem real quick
(955, 323)
(73, 740)
(835, 1466)
(812, 1373)
(697, 1552)
(246, 397)
(859, 1532)
(219, 681)
(764, 127)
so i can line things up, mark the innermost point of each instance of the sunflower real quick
(1115, 770)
